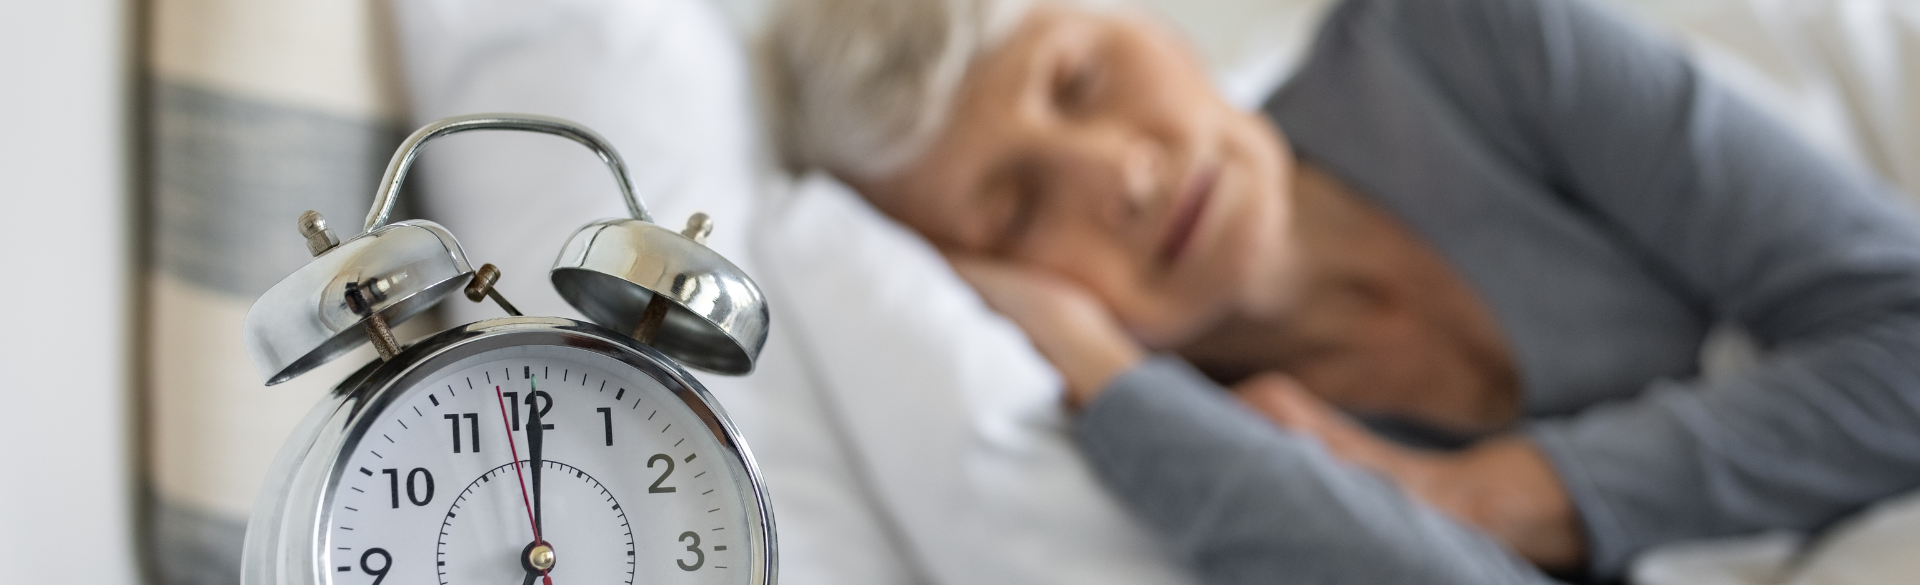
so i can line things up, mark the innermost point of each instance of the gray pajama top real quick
(1610, 206)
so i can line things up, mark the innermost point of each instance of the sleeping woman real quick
(1496, 230)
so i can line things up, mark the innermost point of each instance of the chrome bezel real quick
(285, 541)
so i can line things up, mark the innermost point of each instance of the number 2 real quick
(699, 558)
(656, 488)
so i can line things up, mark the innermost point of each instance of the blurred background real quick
(161, 149)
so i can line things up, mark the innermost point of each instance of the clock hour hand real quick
(536, 442)
(538, 557)
(536, 439)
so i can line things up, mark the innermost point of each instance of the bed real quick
(908, 433)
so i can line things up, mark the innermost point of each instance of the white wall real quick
(65, 430)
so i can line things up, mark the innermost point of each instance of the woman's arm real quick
(1247, 502)
(1816, 259)
(1239, 499)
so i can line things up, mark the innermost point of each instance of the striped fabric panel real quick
(258, 110)
(230, 174)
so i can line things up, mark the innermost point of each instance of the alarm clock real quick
(520, 449)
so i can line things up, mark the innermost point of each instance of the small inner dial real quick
(581, 517)
(451, 480)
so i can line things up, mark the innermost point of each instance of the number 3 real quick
(699, 558)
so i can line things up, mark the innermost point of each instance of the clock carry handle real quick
(663, 287)
(383, 201)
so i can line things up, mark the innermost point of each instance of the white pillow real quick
(955, 416)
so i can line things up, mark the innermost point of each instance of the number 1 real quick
(606, 415)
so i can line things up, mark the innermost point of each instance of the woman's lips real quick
(1187, 212)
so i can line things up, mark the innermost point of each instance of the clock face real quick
(449, 479)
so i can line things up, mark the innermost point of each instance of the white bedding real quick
(910, 435)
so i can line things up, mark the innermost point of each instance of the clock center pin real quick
(538, 557)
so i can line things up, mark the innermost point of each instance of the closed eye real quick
(1077, 85)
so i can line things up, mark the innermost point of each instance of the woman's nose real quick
(1114, 174)
(1141, 174)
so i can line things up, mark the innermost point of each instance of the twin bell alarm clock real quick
(519, 449)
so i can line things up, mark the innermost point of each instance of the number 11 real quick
(473, 424)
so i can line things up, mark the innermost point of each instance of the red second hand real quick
(515, 451)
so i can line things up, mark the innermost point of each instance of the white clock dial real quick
(632, 486)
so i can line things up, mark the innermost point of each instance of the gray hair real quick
(859, 87)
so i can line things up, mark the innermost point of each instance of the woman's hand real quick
(1069, 326)
(1502, 485)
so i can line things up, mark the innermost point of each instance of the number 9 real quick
(386, 562)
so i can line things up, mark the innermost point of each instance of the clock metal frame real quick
(286, 540)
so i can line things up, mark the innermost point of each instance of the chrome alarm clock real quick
(519, 449)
